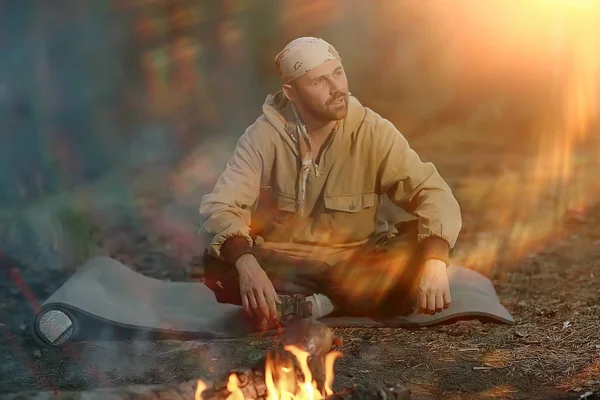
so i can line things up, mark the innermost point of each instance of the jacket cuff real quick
(436, 248)
(233, 248)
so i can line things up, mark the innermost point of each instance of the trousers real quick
(379, 279)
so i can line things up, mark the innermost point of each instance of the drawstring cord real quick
(307, 161)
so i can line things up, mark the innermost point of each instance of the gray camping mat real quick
(106, 300)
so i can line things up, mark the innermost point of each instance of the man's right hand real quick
(258, 294)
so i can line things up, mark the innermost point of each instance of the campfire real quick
(300, 367)
(281, 380)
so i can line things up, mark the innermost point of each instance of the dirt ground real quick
(552, 288)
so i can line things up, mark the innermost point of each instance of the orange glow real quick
(546, 52)
(281, 379)
(525, 207)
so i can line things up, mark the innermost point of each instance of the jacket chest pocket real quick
(353, 204)
(350, 218)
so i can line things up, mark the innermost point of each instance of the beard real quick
(330, 111)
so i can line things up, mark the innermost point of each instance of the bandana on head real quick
(303, 54)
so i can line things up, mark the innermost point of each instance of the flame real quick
(282, 381)
(201, 387)
(234, 387)
(329, 361)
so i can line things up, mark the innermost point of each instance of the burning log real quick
(300, 367)
(252, 385)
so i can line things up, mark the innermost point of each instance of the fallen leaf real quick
(578, 389)
(521, 333)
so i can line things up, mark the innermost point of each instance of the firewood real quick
(252, 385)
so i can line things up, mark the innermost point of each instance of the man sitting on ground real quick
(293, 221)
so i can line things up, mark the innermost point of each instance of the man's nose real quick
(334, 87)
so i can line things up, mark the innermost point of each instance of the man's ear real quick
(289, 91)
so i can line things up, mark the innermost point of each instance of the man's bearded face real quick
(323, 91)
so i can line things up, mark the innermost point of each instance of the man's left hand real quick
(433, 292)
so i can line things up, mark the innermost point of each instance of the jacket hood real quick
(277, 110)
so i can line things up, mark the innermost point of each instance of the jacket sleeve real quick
(417, 187)
(225, 213)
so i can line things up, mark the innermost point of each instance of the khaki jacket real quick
(257, 198)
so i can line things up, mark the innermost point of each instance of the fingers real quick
(246, 305)
(447, 299)
(260, 300)
(434, 290)
(422, 301)
(433, 301)
(439, 302)
(255, 305)
(253, 302)
(271, 298)
(262, 303)
(431, 295)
